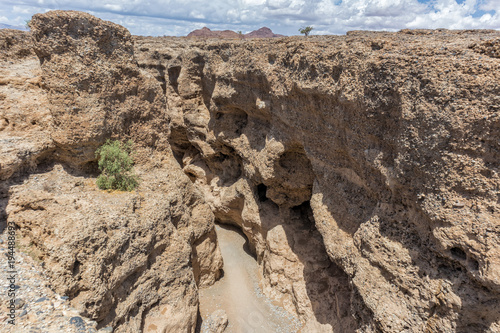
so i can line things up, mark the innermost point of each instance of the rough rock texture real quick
(216, 323)
(23, 121)
(383, 146)
(94, 86)
(490, 47)
(363, 169)
(133, 260)
(124, 259)
(39, 308)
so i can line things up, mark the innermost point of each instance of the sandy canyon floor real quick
(238, 292)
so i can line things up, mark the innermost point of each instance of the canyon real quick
(362, 169)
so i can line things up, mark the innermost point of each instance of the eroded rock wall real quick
(24, 122)
(133, 261)
(362, 168)
(382, 148)
(94, 86)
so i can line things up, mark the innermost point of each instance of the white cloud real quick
(173, 17)
(253, 2)
(21, 10)
(196, 14)
(112, 7)
(452, 15)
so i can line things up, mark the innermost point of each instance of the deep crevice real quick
(173, 76)
(327, 285)
(261, 192)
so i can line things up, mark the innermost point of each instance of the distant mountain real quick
(205, 32)
(15, 27)
(263, 32)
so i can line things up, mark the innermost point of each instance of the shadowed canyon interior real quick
(362, 169)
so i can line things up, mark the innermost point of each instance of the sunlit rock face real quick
(130, 260)
(363, 170)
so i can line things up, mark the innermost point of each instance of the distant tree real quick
(27, 23)
(306, 30)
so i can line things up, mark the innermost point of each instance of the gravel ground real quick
(38, 309)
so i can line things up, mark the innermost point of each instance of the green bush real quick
(115, 163)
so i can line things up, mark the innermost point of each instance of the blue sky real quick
(177, 18)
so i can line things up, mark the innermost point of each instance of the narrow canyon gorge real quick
(362, 170)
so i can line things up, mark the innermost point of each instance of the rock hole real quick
(304, 213)
(473, 264)
(261, 192)
(377, 45)
(180, 143)
(191, 176)
(91, 168)
(76, 267)
(231, 122)
(156, 55)
(458, 253)
(487, 173)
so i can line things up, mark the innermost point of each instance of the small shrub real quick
(115, 163)
(306, 30)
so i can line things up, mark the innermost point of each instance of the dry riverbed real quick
(238, 292)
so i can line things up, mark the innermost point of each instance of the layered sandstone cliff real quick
(362, 168)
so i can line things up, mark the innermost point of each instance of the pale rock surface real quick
(216, 322)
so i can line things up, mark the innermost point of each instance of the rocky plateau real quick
(363, 170)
